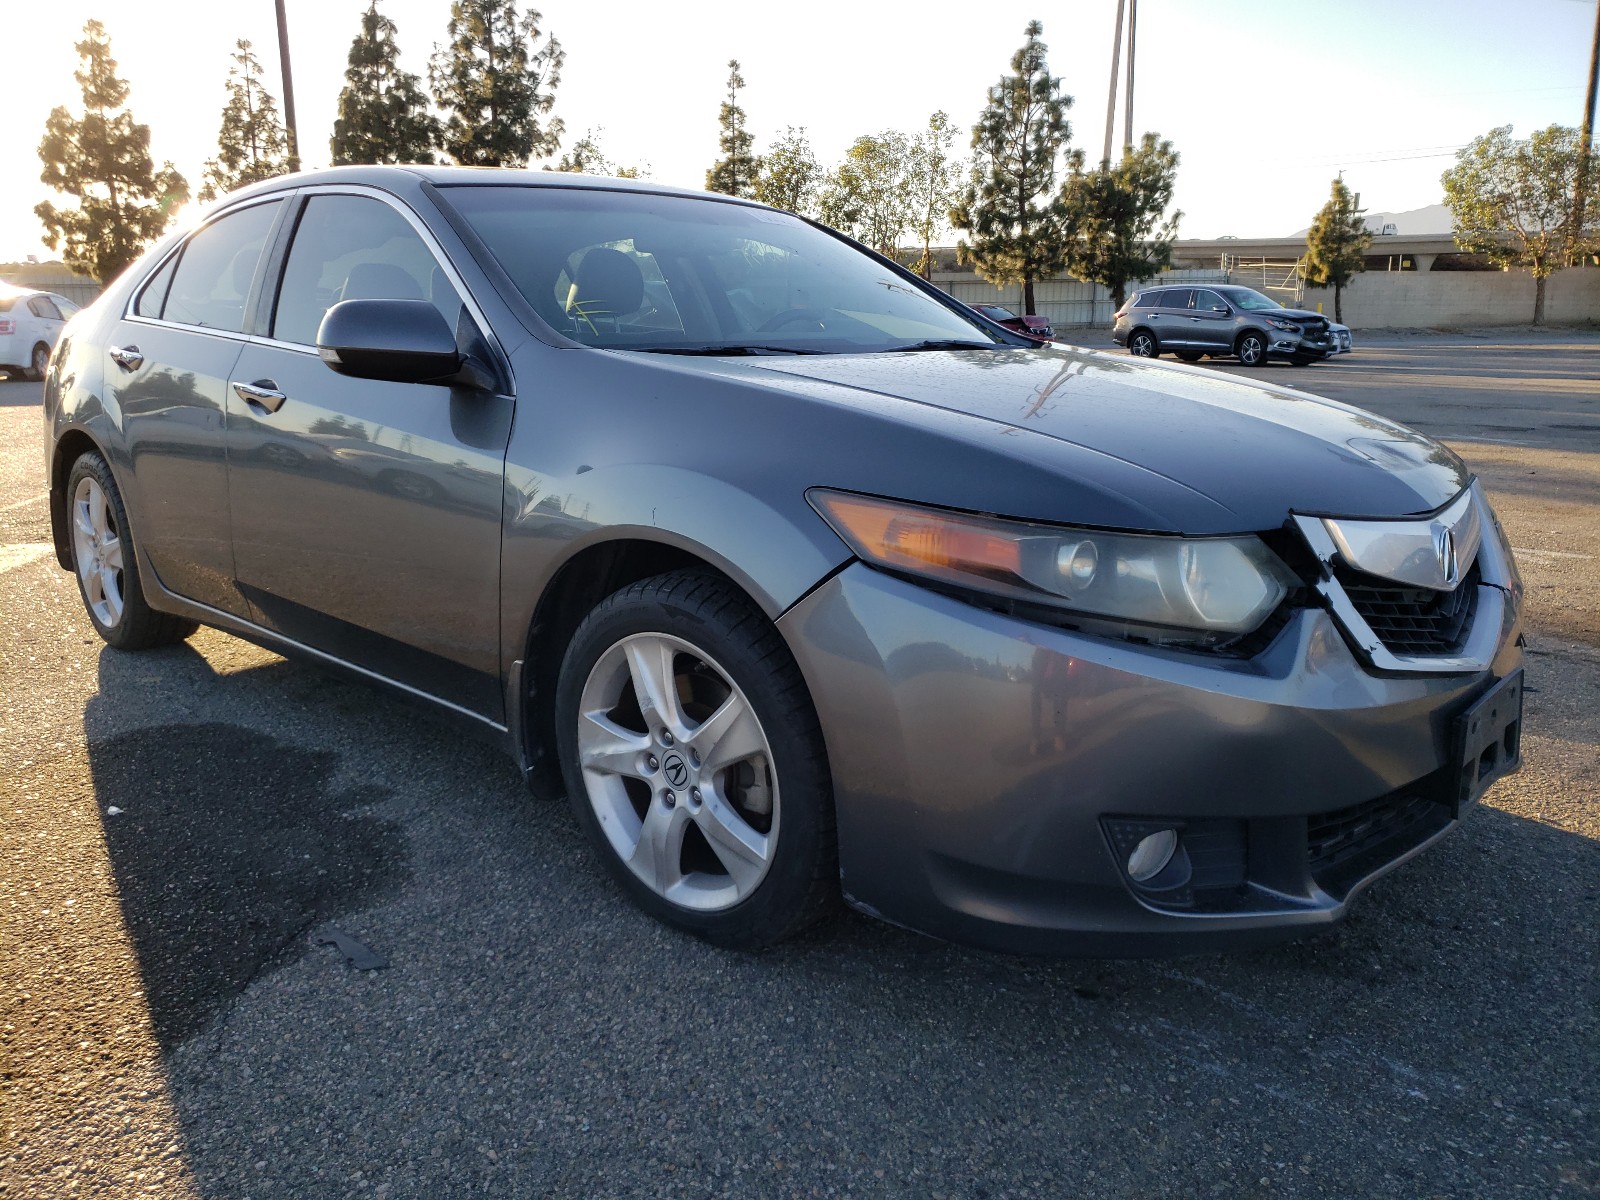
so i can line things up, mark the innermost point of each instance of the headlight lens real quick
(1279, 323)
(1212, 586)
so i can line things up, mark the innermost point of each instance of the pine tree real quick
(1336, 246)
(1114, 217)
(790, 174)
(252, 143)
(496, 83)
(736, 172)
(868, 195)
(383, 111)
(1011, 208)
(103, 160)
(933, 180)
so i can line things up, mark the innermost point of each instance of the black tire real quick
(1190, 355)
(38, 364)
(726, 635)
(137, 626)
(1143, 344)
(1251, 349)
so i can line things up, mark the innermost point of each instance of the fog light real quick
(1152, 854)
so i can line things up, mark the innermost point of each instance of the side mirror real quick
(402, 341)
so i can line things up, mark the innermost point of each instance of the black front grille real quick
(1413, 621)
(1350, 843)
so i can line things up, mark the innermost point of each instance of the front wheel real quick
(1143, 345)
(693, 761)
(107, 568)
(1251, 349)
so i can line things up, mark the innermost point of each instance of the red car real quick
(1035, 327)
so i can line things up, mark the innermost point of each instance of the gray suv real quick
(1217, 321)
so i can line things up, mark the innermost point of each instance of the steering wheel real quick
(791, 316)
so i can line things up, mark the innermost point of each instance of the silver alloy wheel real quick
(97, 552)
(1250, 349)
(679, 771)
(1143, 346)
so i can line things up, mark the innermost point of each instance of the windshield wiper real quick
(737, 348)
(943, 344)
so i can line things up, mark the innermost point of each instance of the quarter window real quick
(355, 248)
(212, 280)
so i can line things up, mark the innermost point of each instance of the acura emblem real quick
(676, 771)
(1444, 549)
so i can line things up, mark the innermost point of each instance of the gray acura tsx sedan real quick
(804, 580)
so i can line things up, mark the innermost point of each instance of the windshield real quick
(1251, 301)
(634, 271)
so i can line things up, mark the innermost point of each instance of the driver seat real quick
(608, 287)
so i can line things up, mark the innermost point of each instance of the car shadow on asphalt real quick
(1463, 969)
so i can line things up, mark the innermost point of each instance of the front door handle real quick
(126, 357)
(263, 392)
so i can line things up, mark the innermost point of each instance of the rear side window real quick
(355, 248)
(43, 306)
(1175, 298)
(212, 280)
(154, 295)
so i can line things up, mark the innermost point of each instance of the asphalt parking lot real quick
(183, 829)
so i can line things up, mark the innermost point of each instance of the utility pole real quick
(1111, 96)
(288, 88)
(1127, 123)
(1586, 135)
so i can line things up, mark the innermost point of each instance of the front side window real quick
(355, 248)
(1207, 301)
(634, 271)
(1252, 301)
(212, 279)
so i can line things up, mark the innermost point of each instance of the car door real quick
(1210, 323)
(1170, 319)
(168, 363)
(366, 514)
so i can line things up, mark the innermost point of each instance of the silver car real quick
(802, 581)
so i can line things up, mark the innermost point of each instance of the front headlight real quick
(1211, 588)
(1279, 323)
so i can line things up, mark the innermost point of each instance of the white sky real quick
(1265, 102)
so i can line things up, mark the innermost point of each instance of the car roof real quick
(453, 176)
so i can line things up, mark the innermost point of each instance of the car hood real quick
(1255, 450)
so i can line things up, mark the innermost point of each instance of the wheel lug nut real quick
(694, 796)
(650, 761)
(666, 737)
(670, 799)
(694, 758)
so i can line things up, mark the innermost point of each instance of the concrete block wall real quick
(1447, 299)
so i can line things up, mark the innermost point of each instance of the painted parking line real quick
(1532, 553)
(20, 554)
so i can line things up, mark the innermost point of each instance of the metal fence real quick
(1065, 303)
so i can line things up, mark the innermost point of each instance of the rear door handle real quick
(263, 392)
(127, 357)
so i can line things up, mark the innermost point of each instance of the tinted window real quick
(213, 277)
(355, 248)
(1151, 299)
(155, 292)
(42, 306)
(1208, 300)
(1175, 298)
(638, 271)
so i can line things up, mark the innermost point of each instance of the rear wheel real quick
(39, 363)
(107, 568)
(1142, 344)
(1251, 349)
(693, 761)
